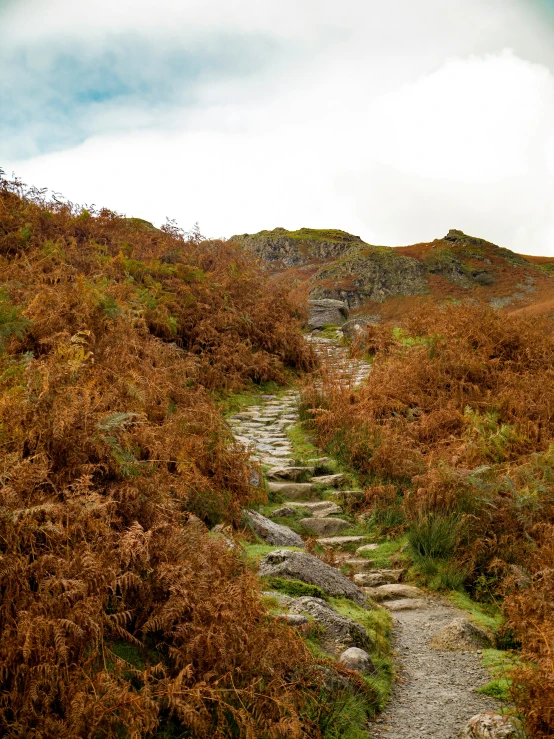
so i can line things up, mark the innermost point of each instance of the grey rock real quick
(367, 548)
(319, 508)
(324, 526)
(338, 632)
(292, 490)
(331, 481)
(340, 542)
(358, 659)
(492, 726)
(379, 577)
(293, 619)
(326, 312)
(461, 636)
(309, 569)
(405, 604)
(394, 592)
(359, 564)
(271, 532)
(294, 474)
(354, 327)
(284, 512)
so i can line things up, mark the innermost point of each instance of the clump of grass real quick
(294, 588)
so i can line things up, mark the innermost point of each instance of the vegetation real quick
(453, 440)
(120, 616)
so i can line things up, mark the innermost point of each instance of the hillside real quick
(384, 280)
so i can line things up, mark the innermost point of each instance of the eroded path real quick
(435, 690)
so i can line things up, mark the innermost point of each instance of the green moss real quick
(488, 616)
(256, 552)
(294, 588)
(498, 688)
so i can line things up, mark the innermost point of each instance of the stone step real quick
(340, 542)
(405, 604)
(294, 474)
(345, 495)
(367, 548)
(320, 508)
(293, 490)
(378, 577)
(359, 565)
(324, 526)
(330, 481)
(394, 592)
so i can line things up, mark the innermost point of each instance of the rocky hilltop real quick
(337, 265)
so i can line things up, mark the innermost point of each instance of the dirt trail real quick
(435, 691)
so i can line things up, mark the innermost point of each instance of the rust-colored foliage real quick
(456, 423)
(119, 615)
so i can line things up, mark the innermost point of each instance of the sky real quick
(395, 120)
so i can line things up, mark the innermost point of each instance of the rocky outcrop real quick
(369, 273)
(271, 532)
(337, 632)
(492, 726)
(461, 636)
(282, 248)
(326, 313)
(309, 569)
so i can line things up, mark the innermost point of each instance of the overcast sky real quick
(392, 119)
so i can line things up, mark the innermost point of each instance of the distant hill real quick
(327, 263)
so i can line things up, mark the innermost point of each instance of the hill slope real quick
(335, 264)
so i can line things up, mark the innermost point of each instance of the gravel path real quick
(435, 692)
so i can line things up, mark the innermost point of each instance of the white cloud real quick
(395, 121)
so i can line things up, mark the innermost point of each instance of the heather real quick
(120, 615)
(452, 437)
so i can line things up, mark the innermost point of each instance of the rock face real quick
(282, 248)
(492, 726)
(339, 632)
(324, 526)
(326, 312)
(461, 636)
(273, 533)
(359, 660)
(369, 273)
(309, 569)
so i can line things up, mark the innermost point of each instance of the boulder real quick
(271, 532)
(330, 481)
(338, 632)
(294, 474)
(354, 327)
(492, 726)
(311, 570)
(358, 659)
(324, 526)
(292, 490)
(326, 313)
(461, 636)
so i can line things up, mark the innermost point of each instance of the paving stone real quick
(322, 526)
(339, 542)
(293, 490)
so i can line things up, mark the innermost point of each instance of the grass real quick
(488, 616)
(387, 549)
(257, 552)
(236, 402)
(378, 624)
(303, 449)
(500, 664)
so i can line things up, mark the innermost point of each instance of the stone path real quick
(435, 693)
